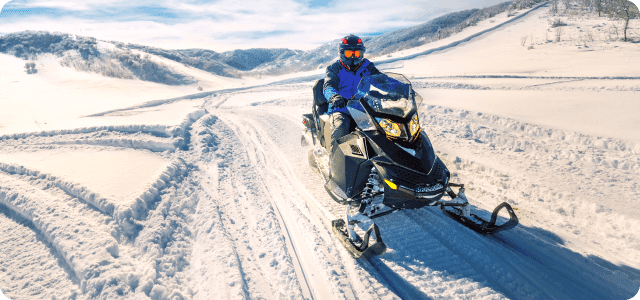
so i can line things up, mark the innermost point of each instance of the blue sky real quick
(223, 25)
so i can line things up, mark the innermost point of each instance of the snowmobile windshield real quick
(389, 94)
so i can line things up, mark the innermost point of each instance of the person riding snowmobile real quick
(388, 163)
(341, 84)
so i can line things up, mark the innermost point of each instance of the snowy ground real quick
(173, 195)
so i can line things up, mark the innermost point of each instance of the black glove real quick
(338, 101)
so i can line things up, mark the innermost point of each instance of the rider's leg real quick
(339, 127)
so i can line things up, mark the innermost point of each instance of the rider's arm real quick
(372, 69)
(331, 83)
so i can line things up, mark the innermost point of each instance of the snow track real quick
(237, 221)
(461, 41)
(86, 245)
(42, 266)
(263, 155)
(238, 214)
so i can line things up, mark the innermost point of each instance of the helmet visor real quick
(349, 53)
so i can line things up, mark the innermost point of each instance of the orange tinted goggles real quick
(349, 53)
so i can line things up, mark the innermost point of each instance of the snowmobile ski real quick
(360, 247)
(458, 209)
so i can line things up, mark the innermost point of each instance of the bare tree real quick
(558, 34)
(599, 6)
(30, 67)
(623, 10)
(546, 36)
(613, 29)
(554, 7)
(589, 35)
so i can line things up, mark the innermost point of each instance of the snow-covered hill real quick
(120, 60)
(124, 189)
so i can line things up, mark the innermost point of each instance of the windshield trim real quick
(395, 84)
(404, 120)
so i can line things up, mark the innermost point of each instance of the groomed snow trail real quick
(239, 249)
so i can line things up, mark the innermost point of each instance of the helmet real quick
(354, 46)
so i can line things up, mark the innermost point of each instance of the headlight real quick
(392, 129)
(414, 126)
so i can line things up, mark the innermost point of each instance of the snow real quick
(113, 174)
(245, 99)
(59, 97)
(127, 189)
(204, 79)
(575, 111)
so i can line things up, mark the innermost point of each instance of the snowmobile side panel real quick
(335, 191)
(308, 137)
(346, 161)
(326, 132)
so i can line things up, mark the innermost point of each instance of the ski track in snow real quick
(43, 268)
(247, 226)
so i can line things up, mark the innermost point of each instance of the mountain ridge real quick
(85, 53)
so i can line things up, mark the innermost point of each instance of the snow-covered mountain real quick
(85, 53)
(112, 188)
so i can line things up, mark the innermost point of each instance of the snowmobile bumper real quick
(363, 250)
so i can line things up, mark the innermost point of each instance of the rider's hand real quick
(338, 101)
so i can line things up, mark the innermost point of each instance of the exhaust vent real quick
(355, 150)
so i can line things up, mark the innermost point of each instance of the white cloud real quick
(71, 5)
(229, 24)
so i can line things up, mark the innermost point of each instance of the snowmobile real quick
(386, 163)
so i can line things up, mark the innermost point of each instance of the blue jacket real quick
(341, 80)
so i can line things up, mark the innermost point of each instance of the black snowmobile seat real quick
(320, 102)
